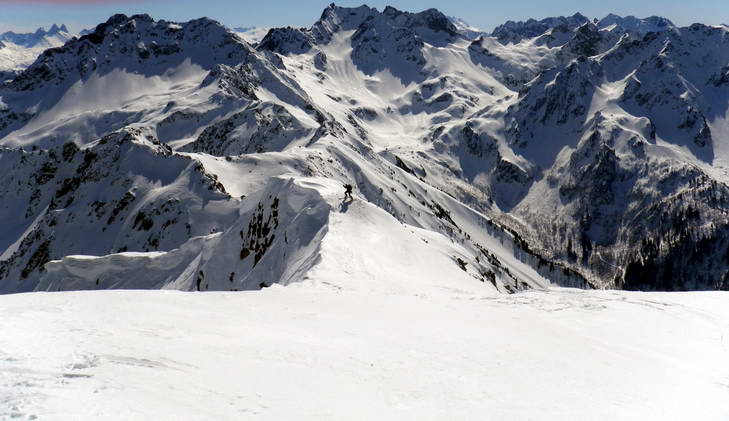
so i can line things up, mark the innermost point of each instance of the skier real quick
(348, 192)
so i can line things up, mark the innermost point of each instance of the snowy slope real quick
(318, 353)
(555, 151)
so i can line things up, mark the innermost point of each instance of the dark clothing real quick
(348, 191)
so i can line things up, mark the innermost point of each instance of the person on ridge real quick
(348, 192)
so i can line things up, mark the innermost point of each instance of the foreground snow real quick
(315, 352)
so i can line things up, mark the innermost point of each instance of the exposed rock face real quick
(264, 127)
(123, 194)
(287, 40)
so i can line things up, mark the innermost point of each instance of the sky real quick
(27, 15)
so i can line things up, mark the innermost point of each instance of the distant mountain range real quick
(18, 51)
(568, 151)
(251, 34)
(37, 38)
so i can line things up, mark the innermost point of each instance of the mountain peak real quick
(516, 31)
(350, 17)
(120, 18)
(152, 43)
(634, 24)
(340, 13)
(362, 19)
(55, 36)
(431, 18)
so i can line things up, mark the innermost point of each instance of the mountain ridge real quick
(534, 151)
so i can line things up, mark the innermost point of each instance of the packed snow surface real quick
(318, 352)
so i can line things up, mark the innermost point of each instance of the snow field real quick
(314, 352)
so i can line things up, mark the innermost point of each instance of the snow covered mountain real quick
(513, 32)
(471, 32)
(617, 23)
(555, 151)
(39, 38)
(17, 51)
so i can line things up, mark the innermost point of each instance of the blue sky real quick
(25, 15)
